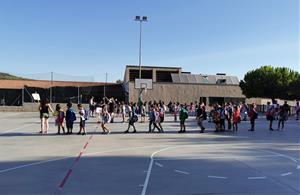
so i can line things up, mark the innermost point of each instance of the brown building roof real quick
(19, 84)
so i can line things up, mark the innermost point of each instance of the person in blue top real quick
(70, 118)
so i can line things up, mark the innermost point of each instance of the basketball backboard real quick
(143, 84)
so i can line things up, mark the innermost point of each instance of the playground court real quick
(259, 162)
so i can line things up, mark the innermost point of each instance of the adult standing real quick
(44, 109)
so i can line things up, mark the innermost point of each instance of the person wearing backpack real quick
(152, 120)
(132, 119)
(183, 115)
(70, 118)
(253, 116)
(82, 115)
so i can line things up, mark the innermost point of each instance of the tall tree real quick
(270, 82)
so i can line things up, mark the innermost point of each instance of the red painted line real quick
(73, 165)
(79, 156)
(85, 145)
(65, 179)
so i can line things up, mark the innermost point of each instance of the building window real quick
(164, 76)
(221, 81)
(134, 74)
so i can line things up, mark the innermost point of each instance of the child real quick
(175, 109)
(252, 115)
(105, 119)
(133, 118)
(60, 118)
(282, 117)
(200, 116)
(152, 120)
(183, 115)
(82, 114)
(236, 118)
(70, 118)
(143, 113)
(159, 117)
(297, 108)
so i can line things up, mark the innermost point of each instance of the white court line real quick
(214, 157)
(283, 155)
(216, 177)
(151, 165)
(32, 164)
(182, 172)
(63, 158)
(158, 164)
(10, 130)
(298, 167)
(263, 177)
(285, 174)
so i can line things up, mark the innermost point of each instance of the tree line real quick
(272, 82)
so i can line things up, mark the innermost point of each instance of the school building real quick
(173, 84)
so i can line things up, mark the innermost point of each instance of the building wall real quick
(185, 92)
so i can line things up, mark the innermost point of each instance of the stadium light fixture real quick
(140, 19)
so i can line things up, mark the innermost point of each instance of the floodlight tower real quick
(140, 19)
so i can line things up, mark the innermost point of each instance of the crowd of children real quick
(108, 109)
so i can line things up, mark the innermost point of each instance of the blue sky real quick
(91, 37)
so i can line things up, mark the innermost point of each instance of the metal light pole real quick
(140, 19)
(51, 87)
(104, 94)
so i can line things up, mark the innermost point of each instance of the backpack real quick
(204, 115)
(184, 114)
(72, 115)
(161, 114)
(135, 118)
(255, 114)
(86, 114)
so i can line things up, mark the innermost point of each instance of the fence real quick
(16, 97)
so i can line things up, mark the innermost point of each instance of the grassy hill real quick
(10, 77)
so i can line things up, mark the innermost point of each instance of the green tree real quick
(270, 82)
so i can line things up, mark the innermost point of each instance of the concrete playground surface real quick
(259, 162)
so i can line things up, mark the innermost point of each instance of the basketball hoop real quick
(142, 85)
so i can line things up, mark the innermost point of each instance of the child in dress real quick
(236, 118)
(60, 119)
